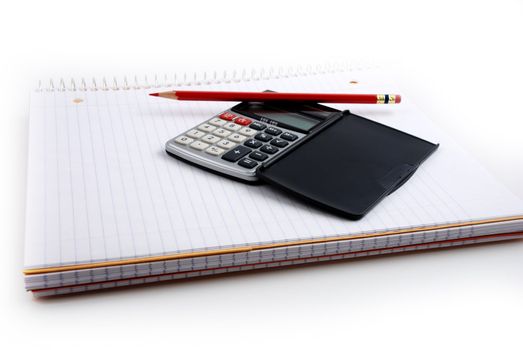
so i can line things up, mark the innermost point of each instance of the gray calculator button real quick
(183, 140)
(247, 163)
(217, 122)
(237, 138)
(226, 144)
(236, 153)
(273, 131)
(196, 134)
(221, 132)
(279, 143)
(232, 127)
(257, 126)
(252, 143)
(247, 131)
(206, 127)
(210, 138)
(288, 136)
(199, 145)
(215, 151)
(258, 156)
(263, 137)
(269, 149)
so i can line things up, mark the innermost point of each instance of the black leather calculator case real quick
(350, 165)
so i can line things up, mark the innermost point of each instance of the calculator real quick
(239, 141)
(335, 159)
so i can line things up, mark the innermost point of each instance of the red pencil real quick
(278, 96)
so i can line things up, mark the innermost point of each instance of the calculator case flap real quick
(350, 165)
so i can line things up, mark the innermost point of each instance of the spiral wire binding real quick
(197, 79)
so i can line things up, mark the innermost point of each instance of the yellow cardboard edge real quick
(252, 248)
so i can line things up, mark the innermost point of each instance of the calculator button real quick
(258, 156)
(232, 126)
(183, 140)
(273, 131)
(237, 138)
(257, 126)
(269, 149)
(210, 138)
(247, 131)
(206, 127)
(252, 143)
(215, 151)
(242, 121)
(199, 145)
(263, 137)
(236, 153)
(195, 133)
(279, 143)
(227, 116)
(247, 163)
(226, 144)
(288, 136)
(217, 122)
(221, 132)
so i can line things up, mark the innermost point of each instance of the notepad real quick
(107, 207)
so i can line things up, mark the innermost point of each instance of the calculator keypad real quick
(235, 141)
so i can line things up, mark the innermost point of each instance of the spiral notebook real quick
(107, 207)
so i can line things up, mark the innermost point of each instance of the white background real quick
(463, 61)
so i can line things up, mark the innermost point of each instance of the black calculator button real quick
(247, 163)
(273, 131)
(236, 153)
(252, 143)
(258, 156)
(279, 143)
(257, 126)
(288, 136)
(263, 137)
(269, 149)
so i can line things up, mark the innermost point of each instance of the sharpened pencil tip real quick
(154, 94)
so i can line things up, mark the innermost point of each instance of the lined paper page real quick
(101, 187)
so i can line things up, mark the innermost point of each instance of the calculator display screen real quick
(298, 117)
(288, 118)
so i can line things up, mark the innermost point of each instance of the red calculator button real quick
(227, 116)
(242, 121)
